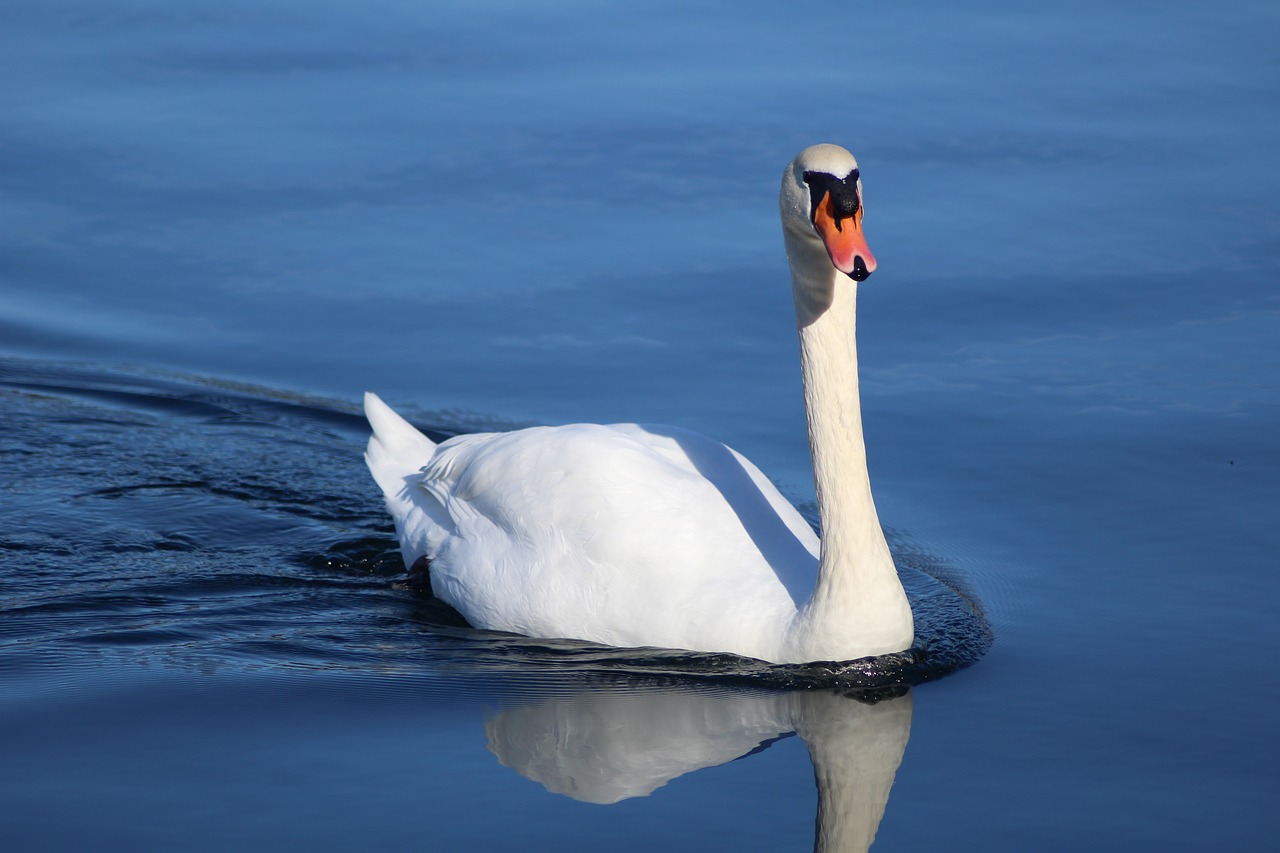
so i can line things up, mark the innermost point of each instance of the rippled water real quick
(191, 561)
(224, 222)
(165, 470)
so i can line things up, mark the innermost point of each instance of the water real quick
(225, 222)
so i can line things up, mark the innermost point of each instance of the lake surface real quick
(223, 222)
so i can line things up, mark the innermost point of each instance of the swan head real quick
(821, 203)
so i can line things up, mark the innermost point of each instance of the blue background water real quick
(225, 221)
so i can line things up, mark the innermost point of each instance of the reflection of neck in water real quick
(856, 749)
(602, 747)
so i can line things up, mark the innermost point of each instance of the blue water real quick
(225, 221)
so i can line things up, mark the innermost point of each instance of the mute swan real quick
(631, 535)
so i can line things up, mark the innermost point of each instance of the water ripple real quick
(178, 522)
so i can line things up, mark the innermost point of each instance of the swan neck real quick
(858, 607)
(851, 534)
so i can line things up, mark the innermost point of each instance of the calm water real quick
(225, 221)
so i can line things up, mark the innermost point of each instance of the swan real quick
(653, 536)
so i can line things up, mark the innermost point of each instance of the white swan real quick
(631, 535)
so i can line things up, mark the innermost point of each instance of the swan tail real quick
(396, 450)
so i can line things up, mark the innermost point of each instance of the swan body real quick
(631, 535)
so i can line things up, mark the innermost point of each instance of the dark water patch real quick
(365, 555)
(133, 392)
(142, 637)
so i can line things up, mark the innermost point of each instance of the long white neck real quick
(858, 607)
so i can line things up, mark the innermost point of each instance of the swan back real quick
(623, 535)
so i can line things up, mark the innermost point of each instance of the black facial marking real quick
(844, 194)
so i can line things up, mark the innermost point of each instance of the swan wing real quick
(625, 535)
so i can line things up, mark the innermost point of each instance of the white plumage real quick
(631, 535)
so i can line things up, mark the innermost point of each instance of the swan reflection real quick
(603, 747)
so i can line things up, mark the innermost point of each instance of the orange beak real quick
(844, 241)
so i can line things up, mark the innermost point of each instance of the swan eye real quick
(845, 198)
